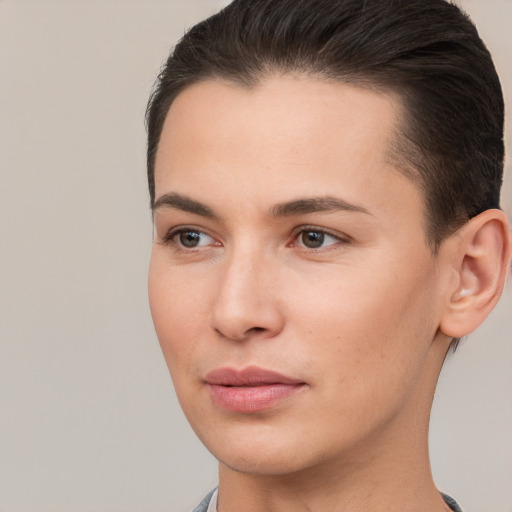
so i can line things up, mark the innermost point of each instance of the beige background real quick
(88, 419)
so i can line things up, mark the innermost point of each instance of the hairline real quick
(400, 149)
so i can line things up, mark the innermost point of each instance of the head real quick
(428, 53)
(325, 176)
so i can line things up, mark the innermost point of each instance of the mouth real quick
(249, 390)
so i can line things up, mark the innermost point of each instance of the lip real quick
(251, 389)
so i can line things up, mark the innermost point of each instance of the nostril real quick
(256, 329)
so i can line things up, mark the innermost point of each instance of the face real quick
(291, 285)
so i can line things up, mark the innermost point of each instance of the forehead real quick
(287, 136)
(291, 111)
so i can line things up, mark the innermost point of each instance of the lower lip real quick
(249, 399)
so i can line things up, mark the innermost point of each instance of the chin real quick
(262, 455)
(267, 464)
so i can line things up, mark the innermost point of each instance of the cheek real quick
(369, 329)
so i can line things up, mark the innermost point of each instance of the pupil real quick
(312, 239)
(189, 238)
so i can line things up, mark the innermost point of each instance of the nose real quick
(247, 303)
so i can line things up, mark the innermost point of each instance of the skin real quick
(358, 319)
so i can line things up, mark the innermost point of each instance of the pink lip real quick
(252, 389)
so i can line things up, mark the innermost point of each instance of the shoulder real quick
(451, 502)
(203, 506)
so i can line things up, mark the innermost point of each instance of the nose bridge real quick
(246, 300)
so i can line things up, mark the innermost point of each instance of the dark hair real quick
(426, 51)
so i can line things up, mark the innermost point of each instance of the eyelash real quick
(170, 238)
(343, 239)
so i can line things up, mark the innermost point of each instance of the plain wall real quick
(88, 418)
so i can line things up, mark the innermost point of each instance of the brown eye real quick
(312, 239)
(316, 239)
(189, 239)
(192, 239)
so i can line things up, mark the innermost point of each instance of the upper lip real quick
(250, 376)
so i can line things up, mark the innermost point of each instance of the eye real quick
(190, 239)
(315, 239)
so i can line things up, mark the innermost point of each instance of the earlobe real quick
(480, 261)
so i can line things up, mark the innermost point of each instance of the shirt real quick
(211, 502)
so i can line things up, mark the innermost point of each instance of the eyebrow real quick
(315, 205)
(184, 203)
(302, 206)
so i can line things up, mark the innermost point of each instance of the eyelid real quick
(340, 237)
(169, 237)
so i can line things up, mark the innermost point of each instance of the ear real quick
(480, 255)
